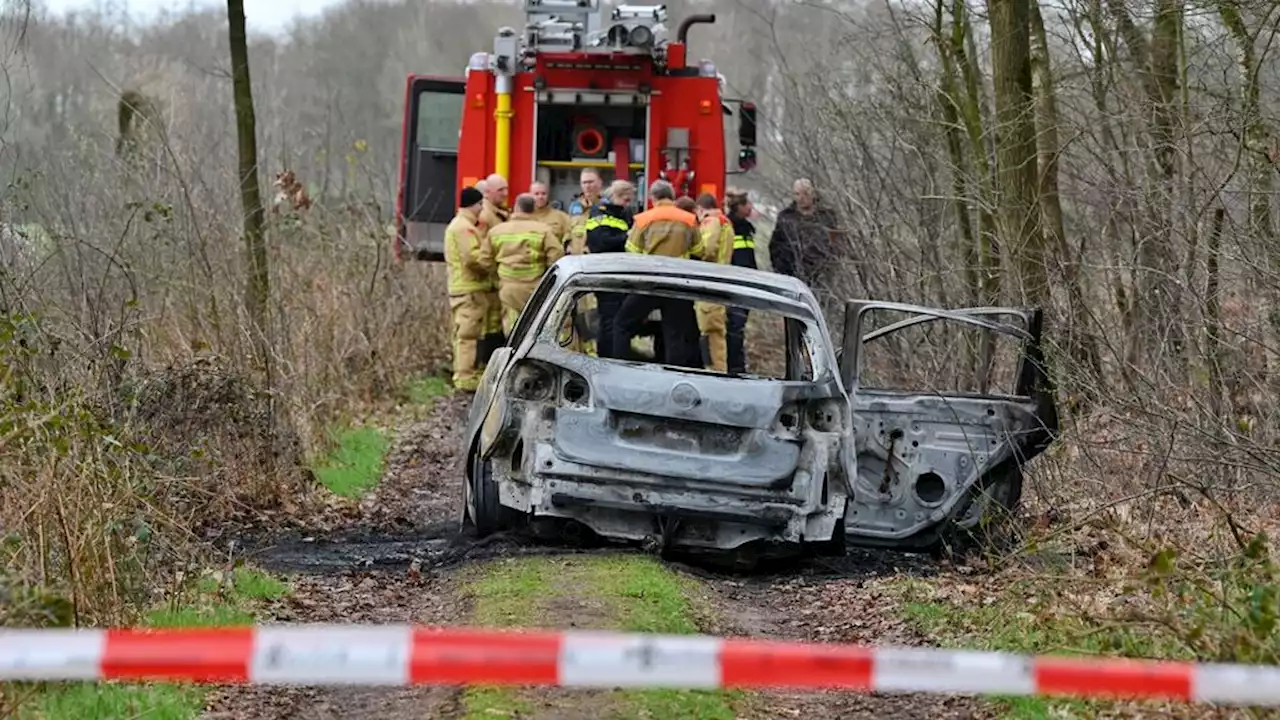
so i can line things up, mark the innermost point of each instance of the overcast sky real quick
(261, 15)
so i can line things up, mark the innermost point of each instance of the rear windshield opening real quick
(775, 346)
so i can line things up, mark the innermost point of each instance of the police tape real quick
(412, 655)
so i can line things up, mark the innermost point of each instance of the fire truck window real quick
(439, 117)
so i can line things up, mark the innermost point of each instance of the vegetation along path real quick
(399, 559)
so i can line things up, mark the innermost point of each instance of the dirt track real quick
(396, 559)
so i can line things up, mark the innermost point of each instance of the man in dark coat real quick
(806, 241)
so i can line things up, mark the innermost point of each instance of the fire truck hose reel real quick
(589, 141)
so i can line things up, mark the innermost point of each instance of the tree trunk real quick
(1256, 142)
(1081, 344)
(1159, 331)
(258, 286)
(1016, 171)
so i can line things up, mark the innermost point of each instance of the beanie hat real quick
(470, 196)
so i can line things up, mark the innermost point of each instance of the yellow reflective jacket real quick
(717, 237)
(576, 242)
(492, 215)
(666, 230)
(467, 256)
(523, 248)
(557, 220)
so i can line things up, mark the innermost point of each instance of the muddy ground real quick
(397, 557)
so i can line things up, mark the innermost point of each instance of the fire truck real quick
(574, 91)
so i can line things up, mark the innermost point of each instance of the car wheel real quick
(482, 505)
(986, 517)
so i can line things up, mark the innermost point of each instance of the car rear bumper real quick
(631, 505)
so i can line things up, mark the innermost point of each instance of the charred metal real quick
(701, 460)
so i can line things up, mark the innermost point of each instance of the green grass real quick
(358, 455)
(482, 703)
(355, 464)
(1011, 624)
(425, 390)
(206, 606)
(637, 594)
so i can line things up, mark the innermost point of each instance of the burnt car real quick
(800, 458)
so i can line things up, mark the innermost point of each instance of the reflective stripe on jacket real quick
(666, 230)
(607, 228)
(468, 257)
(744, 243)
(524, 248)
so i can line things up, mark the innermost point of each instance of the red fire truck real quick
(574, 91)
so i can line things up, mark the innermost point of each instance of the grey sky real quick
(261, 15)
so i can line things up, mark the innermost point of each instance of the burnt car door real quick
(935, 462)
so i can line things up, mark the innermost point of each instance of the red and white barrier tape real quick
(404, 655)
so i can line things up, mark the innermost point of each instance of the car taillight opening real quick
(540, 382)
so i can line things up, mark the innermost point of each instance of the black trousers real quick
(735, 334)
(607, 306)
(679, 344)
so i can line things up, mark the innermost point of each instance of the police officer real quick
(663, 230)
(522, 249)
(717, 236)
(558, 220)
(470, 286)
(606, 232)
(744, 255)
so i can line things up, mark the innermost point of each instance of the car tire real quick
(996, 499)
(482, 503)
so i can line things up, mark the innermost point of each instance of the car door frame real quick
(1033, 385)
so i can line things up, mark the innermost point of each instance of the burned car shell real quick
(640, 451)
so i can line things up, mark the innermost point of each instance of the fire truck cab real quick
(573, 92)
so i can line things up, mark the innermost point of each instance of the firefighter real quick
(663, 230)
(469, 287)
(522, 250)
(586, 339)
(590, 183)
(558, 220)
(717, 236)
(744, 255)
(493, 213)
(606, 231)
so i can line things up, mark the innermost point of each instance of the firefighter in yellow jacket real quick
(558, 220)
(580, 210)
(523, 248)
(717, 236)
(493, 213)
(470, 285)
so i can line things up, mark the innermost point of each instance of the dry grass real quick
(132, 422)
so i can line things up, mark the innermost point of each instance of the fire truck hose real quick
(414, 655)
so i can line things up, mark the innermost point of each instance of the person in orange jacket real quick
(663, 230)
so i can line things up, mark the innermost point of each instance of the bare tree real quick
(258, 289)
